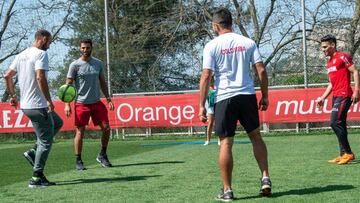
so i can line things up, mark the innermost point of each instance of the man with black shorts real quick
(339, 67)
(230, 57)
(31, 67)
(87, 72)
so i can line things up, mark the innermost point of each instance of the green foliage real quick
(149, 41)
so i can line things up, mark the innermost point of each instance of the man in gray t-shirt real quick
(87, 73)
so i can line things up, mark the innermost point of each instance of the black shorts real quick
(241, 108)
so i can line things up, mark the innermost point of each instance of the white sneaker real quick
(206, 143)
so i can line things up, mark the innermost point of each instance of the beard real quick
(44, 47)
(85, 53)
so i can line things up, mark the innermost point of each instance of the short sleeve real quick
(101, 65)
(15, 63)
(208, 58)
(255, 56)
(347, 60)
(42, 62)
(72, 71)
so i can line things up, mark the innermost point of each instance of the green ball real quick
(67, 93)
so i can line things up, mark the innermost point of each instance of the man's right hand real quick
(67, 110)
(13, 101)
(319, 102)
(202, 114)
(50, 106)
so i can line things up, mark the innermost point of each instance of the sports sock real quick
(103, 151)
(38, 174)
(78, 157)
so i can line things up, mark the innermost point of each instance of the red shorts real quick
(96, 111)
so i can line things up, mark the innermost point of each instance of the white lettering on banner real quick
(191, 111)
(177, 117)
(174, 114)
(131, 112)
(18, 119)
(6, 119)
(158, 112)
(287, 107)
(355, 106)
(297, 107)
(150, 114)
(302, 106)
(7, 122)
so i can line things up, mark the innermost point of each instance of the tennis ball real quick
(67, 93)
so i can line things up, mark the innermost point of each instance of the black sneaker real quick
(30, 156)
(103, 160)
(225, 196)
(38, 182)
(79, 165)
(265, 189)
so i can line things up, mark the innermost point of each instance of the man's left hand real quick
(355, 97)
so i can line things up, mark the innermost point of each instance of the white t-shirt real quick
(25, 64)
(230, 56)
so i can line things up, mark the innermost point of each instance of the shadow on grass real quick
(150, 163)
(110, 180)
(354, 162)
(304, 191)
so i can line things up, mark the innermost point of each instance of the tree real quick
(148, 41)
(19, 20)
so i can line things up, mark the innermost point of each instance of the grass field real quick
(184, 173)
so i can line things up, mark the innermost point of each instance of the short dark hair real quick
(223, 17)
(329, 38)
(42, 33)
(86, 41)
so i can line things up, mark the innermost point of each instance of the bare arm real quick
(327, 92)
(104, 89)
(320, 101)
(261, 72)
(67, 109)
(204, 88)
(44, 88)
(355, 72)
(11, 87)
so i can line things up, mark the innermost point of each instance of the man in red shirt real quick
(339, 67)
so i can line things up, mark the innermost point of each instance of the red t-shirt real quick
(339, 75)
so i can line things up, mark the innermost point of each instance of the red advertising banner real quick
(286, 106)
(298, 105)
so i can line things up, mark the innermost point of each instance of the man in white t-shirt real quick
(230, 57)
(31, 67)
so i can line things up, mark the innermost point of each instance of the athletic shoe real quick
(336, 160)
(30, 156)
(79, 165)
(265, 189)
(225, 196)
(103, 160)
(38, 182)
(346, 158)
(206, 143)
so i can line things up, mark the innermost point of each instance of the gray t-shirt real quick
(26, 64)
(86, 75)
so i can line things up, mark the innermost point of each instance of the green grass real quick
(185, 173)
